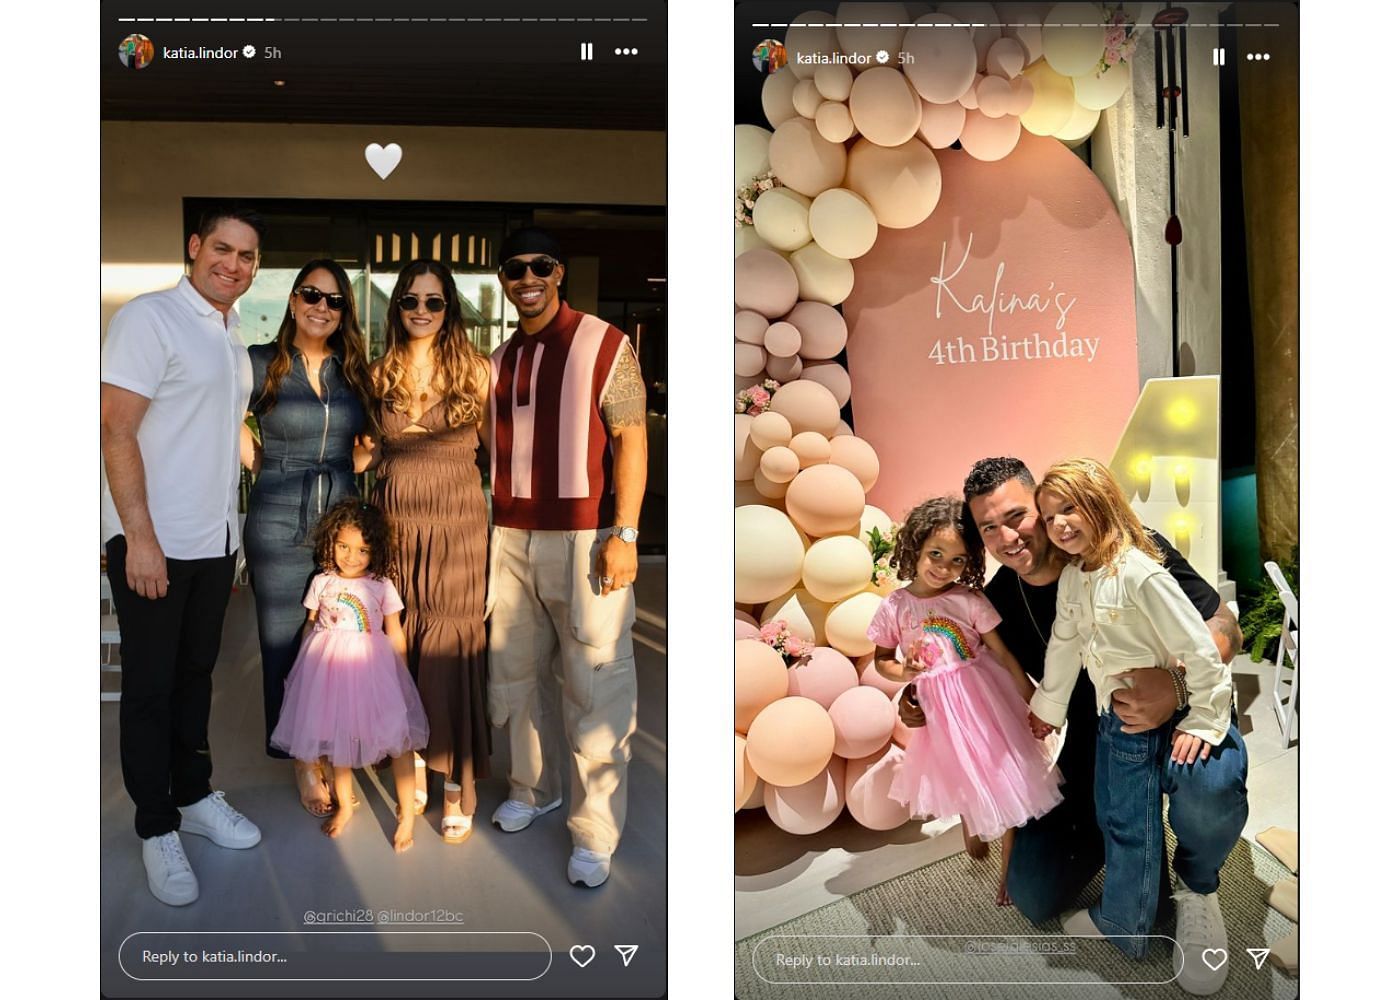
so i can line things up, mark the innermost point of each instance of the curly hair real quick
(989, 473)
(1090, 486)
(936, 515)
(372, 525)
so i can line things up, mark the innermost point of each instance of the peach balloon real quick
(746, 453)
(777, 98)
(749, 359)
(811, 448)
(1022, 96)
(782, 339)
(870, 677)
(1097, 91)
(993, 96)
(885, 107)
(822, 277)
(823, 676)
(856, 456)
(803, 160)
(809, 41)
(968, 99)
(1073, 37)
(1006, 57)
(749, 326)
(744, 775)
(989, 139)
(764, 282)
(842, 222)
(806, 99)
(834, 122)
(868, 790)
(843, 429)
(984, 14)
(823, 330)
(804, 614)
(783, 370)
(756, 684)
(1027, 19)
(831, 375)
(834, 568)
(768, 554)
(745, 495)
(768, 488)
(865, 41)
(833, 82)
(779, 465)
(750, 153)
(847, 621)
(755, 799)
(808, 407)
(780, 217)
(902, 184)
(941, 62)
(825, 499)
(769, 430)
(941, 124)
(1053, 103)
(790, 741)
(864, 719)
(811, 806)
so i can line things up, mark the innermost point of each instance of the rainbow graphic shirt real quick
(352, 605)
(953, 621)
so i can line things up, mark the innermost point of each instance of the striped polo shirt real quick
(551, 467)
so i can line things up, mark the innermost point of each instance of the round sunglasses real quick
(541, 267)
(409, 303)
(311, 295)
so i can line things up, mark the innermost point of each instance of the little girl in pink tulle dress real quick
(975, 756)
(350, 698)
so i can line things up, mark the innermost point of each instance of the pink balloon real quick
(749, 359)
(864, 720)
(1006, 58)
(784, 370)
(989, 139)
(823, 330)
(994, 96)
(871, 677)
(868, 790)
(902, 733)
(749, 326)
(943, 60)
(1022, 96)
(782, 339)
(941, 124)
(823, 676)
(968, 98)
(811, 806)
(833, 376)
(743, 616)
(808, 407)
(745, 630)
(885, 107)
(764, 282)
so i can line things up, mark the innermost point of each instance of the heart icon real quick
(383, 159)
(1214, 957)
(582, 954)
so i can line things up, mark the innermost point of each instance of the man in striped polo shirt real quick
(568, 470)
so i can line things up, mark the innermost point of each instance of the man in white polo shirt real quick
(175, 384)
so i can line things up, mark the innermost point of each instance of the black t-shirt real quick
(1027, 615)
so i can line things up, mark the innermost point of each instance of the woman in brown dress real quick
(430, 387)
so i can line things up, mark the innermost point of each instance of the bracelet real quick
(1183, 697)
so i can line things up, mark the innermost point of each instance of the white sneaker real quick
(1200, 931)
(512, 816)
(214, 818)
(168, 872)
(1080, 924)
(589, 868)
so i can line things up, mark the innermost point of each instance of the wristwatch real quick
(627, 533)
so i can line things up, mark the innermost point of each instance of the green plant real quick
(1261, 618)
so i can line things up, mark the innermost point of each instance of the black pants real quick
(168, 650)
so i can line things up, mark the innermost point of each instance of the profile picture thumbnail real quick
(769, 56)
(136, 52)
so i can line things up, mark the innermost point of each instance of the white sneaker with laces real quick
(168, 872)
(590, 868)
(214, 818)
(1080, 924)
(512, 816)
(1200, 931)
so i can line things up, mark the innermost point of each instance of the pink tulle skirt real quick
(351, 699)
(975, 756)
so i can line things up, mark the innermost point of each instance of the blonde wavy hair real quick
(460, 372)
(1089, 485)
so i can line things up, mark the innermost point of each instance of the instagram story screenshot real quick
(1016, 424)
(383, 500)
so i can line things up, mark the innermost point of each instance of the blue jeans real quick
(1207, 808)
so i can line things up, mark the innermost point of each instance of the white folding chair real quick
(111, 639)
(1286, 708)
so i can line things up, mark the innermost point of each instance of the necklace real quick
(1030, 614)
(420, 383)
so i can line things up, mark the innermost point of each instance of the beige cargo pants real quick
(551, 629)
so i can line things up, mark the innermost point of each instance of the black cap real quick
(529, 241)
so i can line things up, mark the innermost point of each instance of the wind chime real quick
(1169, 35)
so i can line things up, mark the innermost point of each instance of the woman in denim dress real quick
(309, 393)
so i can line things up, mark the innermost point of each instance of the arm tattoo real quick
(625, 401)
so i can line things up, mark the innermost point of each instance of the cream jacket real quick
(1111, 621)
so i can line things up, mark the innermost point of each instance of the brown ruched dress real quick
(430, 489)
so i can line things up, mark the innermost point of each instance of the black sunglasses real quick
(541, 267)
(311, 295)
(435, 303)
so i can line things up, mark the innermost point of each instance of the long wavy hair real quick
(459, 369)
(373, 526)
(1089, 485)
(347, 341)
(935, 515)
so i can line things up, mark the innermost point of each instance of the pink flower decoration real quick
(1111, 57)
(1115, 38)
(770, 631)
(795, 646)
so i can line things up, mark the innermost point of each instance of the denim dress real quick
(308, 443)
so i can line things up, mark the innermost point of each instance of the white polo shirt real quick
(173, 348)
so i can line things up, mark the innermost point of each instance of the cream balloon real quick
(760, 678)
(770, 430)
(885, 107)
(836, 567)
(779, 465)
(1073, 37)
(803, 160)
(746, 453)
(812, 806)
(823, 330)
(1006, 58)
(745, 777)
(749, 327)
(847, 621)
(864, 719)
(811, 448)
(901, 184)
(834, 122)
(1080, 126)
(874, 517)
(782, 339)
(765, 282)
(831, 375)
(940, 61)
(822, 277)
(1054, 100)
(822, 675)
(868, 789)
(777, 95)
(745, 239)
(866, 42)
(768, 554)
(749, 359)
(806, 99)
(856, 456)
(1096, 91)
(990, 139)
(825, 500)
(780, 217)
(809, 36)
(842, 222)
(804, 614)
(790, 741)
(941, 124)
(750, 153)
(833, 82)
